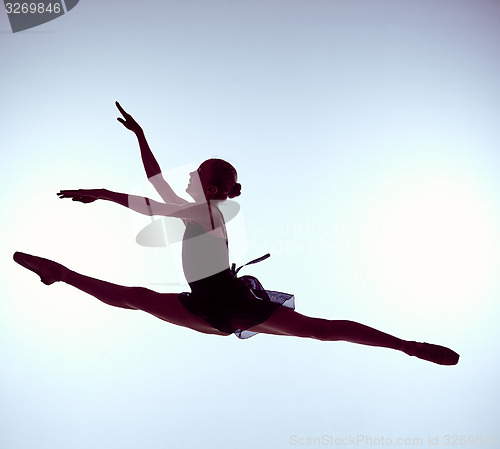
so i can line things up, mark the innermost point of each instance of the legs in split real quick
(283, 321)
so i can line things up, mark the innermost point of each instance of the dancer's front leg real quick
(165, 306)
(106, 292)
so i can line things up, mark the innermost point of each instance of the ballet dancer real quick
(220, 302)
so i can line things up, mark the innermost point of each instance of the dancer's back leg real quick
(286, 321)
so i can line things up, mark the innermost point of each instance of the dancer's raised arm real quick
(151, 165)
(145, 206)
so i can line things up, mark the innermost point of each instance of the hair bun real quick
(235, 191)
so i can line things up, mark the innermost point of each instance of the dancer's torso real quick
(204, 252)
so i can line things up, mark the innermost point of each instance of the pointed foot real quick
(432, 353)
(48, 270)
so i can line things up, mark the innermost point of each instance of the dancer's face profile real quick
(199, 188)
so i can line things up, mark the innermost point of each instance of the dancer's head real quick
(218, 180)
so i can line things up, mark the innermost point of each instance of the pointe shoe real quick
(432, 353)
(48, 270)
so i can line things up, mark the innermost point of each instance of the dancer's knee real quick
(327, 330)
(288, 322)
(319, 329)
(136, 297)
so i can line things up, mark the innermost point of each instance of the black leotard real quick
(226, 302)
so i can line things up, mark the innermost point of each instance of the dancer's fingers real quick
(70, 194)
(71, 191)
(66, 193)
(123, 112)
(118, 105)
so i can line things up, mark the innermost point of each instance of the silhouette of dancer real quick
(219, 302)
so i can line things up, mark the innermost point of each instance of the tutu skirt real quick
(233, 304)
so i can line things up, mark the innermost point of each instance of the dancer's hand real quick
(129, 121)
(82, 195)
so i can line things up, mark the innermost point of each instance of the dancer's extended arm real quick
(145, 206)
(153, 171)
